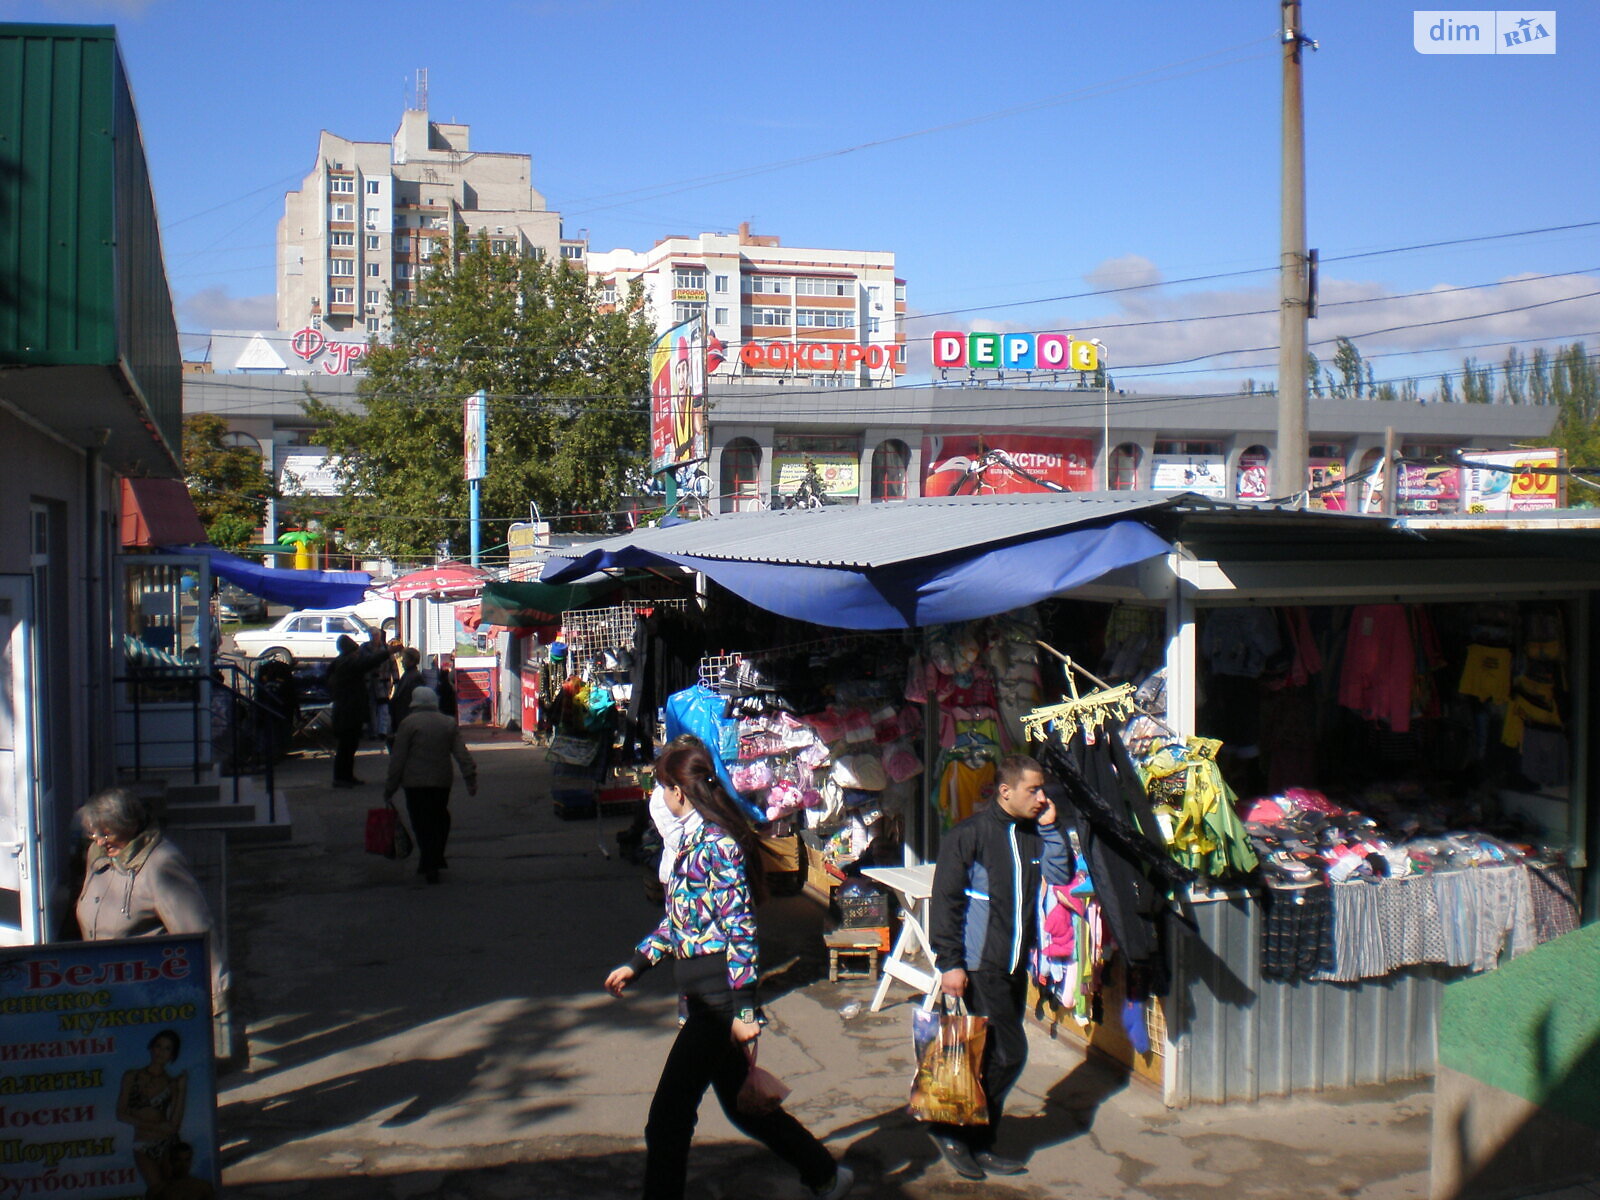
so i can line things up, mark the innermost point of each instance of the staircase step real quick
(191, 815)
(185, 794)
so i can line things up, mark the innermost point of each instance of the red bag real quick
(385, 834)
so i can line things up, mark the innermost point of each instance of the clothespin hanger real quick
(1089, 711)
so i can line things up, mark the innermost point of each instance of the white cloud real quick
(1128, 270)
(214, 308)
(126, 8)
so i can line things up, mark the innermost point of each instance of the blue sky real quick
(1124, 144)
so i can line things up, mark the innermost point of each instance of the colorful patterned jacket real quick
(708, 910)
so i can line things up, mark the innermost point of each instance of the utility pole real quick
(1290, 475)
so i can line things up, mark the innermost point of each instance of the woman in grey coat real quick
(138, 884)
(420, 762)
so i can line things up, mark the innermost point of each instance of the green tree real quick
(568, 412)
(1352, 374)
(1575, 388)
(228, 484)
(1447, 393)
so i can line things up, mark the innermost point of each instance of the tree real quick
(1575, 388)
(228, 484)
(1352, 374)
(568, 408)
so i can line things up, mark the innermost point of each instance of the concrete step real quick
(183, 794)
(219, 812)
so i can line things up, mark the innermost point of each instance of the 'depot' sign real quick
(1014, 351)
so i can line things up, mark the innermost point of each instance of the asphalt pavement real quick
(452, 1041)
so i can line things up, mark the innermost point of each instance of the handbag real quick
(949, 1051)
(386, 832)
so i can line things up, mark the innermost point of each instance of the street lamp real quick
(1105, 410)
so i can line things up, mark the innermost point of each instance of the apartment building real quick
(829, 318)
(368, 217)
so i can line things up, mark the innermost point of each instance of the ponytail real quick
(686, 763)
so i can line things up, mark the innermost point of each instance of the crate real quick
(879, 936)
(618, 800)
(785, 861)
(862, 909)
(573, 804)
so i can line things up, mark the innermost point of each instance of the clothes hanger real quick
(1086, 712)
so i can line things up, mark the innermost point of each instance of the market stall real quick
(1296, 940)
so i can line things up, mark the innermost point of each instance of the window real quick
(721, 283)
(720, 317)
(372, 241)
(890, 461)
(401, 297)
(425, 247)
(402, 244)
(769, 285)
(372, 218)
(341, 185)
(686, 312)
(900, 292)
(374, 324)
(344, 295)
(373, 270)
(872, 324)
(1125, 467)
(374, 296)
(875, 294)
(402, 270)
(499, 246)
(305, 625)
(341, 266)
(688, 277)
(769, 316)
(571, 251)
(608, 294)
(825, 318)
(372, 187)
(741, 476)
(342, 239)
(341, 212)
(821, 287)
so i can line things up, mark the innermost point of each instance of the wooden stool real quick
(849, 945)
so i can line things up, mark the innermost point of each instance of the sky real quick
(1023, 160)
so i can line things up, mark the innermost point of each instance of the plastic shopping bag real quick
(949, 1051)
(386, 833)
(762, 1091)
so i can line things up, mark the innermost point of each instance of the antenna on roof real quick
(422, 89)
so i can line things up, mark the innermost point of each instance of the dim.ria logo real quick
(1484, 31)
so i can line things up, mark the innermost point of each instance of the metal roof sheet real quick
(875, 535)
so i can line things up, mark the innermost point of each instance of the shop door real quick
(163, 683)
(21, 896)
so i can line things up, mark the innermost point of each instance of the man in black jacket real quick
(347, 688)
(984, 906)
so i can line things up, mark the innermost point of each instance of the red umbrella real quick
(443, 582)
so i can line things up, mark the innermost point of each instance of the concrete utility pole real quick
(1290, 473)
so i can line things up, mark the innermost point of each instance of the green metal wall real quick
(1532, 1028)
(81, 275)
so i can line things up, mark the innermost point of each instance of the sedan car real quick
(307, 634)
(236, 604)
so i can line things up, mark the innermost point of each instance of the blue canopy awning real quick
(975, 582)
(298, 589)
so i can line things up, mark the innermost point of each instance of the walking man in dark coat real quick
(347, 688)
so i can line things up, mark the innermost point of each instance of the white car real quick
(378, 611)
(307, 634)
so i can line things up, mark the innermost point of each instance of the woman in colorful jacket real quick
(709, 931)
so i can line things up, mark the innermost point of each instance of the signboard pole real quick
(475, 442)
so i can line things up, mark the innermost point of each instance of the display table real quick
(912, 887)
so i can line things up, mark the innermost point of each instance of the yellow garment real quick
(1207, 835)
(1533, 701)
(964, 788)
(1487, 674)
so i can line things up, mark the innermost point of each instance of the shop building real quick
(90, 425)
(369, 216)
(826, 318)
(951, 440)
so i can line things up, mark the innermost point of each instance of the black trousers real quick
(705, 1055)
(1003, 999)
(429, 810)
(344, 754)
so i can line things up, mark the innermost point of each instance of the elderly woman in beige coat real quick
(420, 761)
(138, 884)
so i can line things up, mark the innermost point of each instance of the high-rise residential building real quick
(831, 318)
(370, 214)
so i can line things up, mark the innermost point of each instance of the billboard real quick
(1521, 487)
(475, 435)
(678, 397)
(1328, 472)
(1203, 474)
(840, 473)
(975, 464)
(1425, 490)
(1014, 351)
(107, 1070)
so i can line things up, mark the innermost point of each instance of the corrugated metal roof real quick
(875, 535)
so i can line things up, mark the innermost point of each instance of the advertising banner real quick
(475, 690)
(1425, 490)
(840, 473)
(1252, 483)
(475, 435)
(1326, 472)
(678, 397)
(1203, 474)
(106, 1082)
(975, 464)
(1521, 487)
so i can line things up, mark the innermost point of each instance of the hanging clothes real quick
(1379, 661)
(1206, 833)
(1123, 847)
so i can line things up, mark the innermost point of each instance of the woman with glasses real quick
(138, 884)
